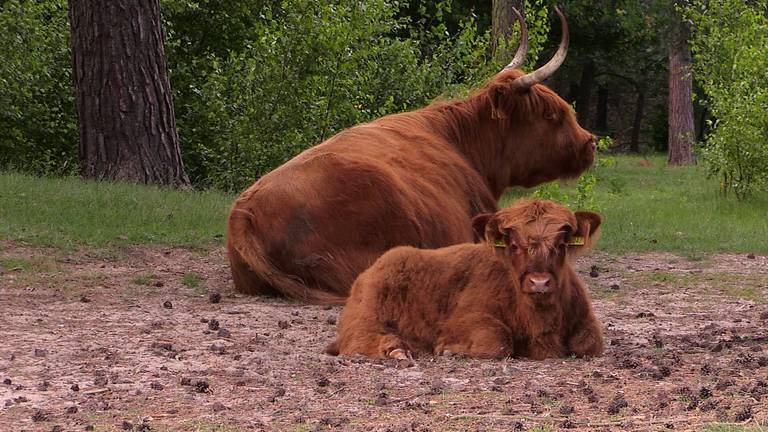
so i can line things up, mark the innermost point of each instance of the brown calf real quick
(516, 294)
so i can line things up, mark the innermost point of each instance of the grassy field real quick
(70, 212)
(652, 208)
(645, 208)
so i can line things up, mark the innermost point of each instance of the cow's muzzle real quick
(537, 283)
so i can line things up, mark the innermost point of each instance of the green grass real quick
(15, 263)
(191, 280)
(672, 209)
(644, 209)
(145, 280)
(734, 428)
(69, 212)
(37, 264)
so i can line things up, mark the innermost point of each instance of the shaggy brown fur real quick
(308, 228)
(516, 294)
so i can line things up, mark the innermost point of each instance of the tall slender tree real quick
(124, 106)
(502, 24)
(680, 106)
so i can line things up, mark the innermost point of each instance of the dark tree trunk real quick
(124, 105)
(634, 143)
(702, 134)
(584, 99)
(503, 21)
(602, 109)
(680, 115)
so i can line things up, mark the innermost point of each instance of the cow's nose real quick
(539, 283)
(594, 143)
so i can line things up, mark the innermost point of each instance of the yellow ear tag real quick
(499, 244)
(577, 241)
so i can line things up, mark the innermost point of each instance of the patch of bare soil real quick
(141, 341)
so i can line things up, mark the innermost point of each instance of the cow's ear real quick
(479, 223)
(587, 231)
(497, 93)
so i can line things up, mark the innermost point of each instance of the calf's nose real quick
(538, 283)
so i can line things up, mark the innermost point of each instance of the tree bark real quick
(602, 108)
(502, 23)
(584, 98)
(680, 114)
(634, 143)
(124, 106)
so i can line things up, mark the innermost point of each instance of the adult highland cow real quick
(308, 228)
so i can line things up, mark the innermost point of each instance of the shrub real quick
(730, 45)
(309, 68)
(38, 129)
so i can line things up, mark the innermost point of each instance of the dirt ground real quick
(131, 340)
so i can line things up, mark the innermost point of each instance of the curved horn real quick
(542, 73)
(522, 49)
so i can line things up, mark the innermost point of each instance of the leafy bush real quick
(583, 195)
(38, 129)
(730, 45)
(308, 69)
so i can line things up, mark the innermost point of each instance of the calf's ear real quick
(486, 228)
(587, 230)
(479, 223)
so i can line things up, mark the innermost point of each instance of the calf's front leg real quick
(475, 335)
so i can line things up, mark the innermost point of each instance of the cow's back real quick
(327, 214)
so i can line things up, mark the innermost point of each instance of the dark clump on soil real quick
(215, 297)
(283, 324)
(213, 324)
(594, 271)
(202, 386)
(617, 404)
(167, 304)
(743, 414)
(39, 416)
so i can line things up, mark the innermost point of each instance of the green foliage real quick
(38, 130)
(306, 70)
(730, 46)
(582, 196)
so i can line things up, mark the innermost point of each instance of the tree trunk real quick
(680, 115)
(124, 105)
(602, 109)
(503, 21)
(584, 99)
(634, 143)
